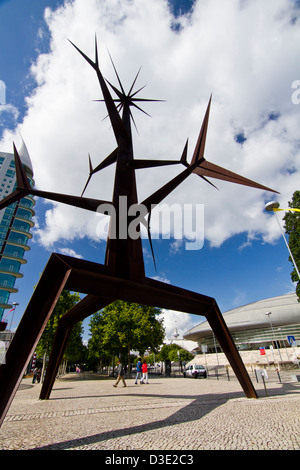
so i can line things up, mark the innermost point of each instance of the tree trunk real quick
(128, 362)
(44, 366)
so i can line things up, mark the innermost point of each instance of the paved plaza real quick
(86, 412)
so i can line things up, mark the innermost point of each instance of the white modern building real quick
(270, 322)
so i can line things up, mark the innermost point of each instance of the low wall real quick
(287, 359)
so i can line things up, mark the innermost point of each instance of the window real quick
(10, 174)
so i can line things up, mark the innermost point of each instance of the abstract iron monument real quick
(122, 276)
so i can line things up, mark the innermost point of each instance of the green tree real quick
(124, 326)
(173, 352)
(75, 349)
(292, 228)
(98, 353)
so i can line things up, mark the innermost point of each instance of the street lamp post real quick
(274, 206)
(283, 341)
(13, 312)
(269, 316)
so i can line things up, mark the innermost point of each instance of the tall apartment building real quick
(15, 225)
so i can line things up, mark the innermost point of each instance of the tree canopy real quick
(173, 352)
(122, 327)
(292, 228)
(75, 348)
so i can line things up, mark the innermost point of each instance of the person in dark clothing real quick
(120, 375)
(138, 371)
(36, 375)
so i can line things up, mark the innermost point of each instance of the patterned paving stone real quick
(173, 414)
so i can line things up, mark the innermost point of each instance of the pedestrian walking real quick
(145, 373)
(120, 375)
(138, 370)
(35, 375)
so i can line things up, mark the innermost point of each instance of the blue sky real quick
(244, 53)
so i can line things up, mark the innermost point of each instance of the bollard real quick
(278, 375)
(263, 379)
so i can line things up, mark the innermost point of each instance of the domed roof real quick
(285, 310)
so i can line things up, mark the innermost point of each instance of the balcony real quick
(12, 289)
(11, 270)
(19, 241)
(14, 256)
(25, 218)
(5, 305)
(28, 202)
(23, 230)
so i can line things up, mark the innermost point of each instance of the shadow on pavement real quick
(200, 406)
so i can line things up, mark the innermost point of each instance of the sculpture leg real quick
(30, 329)
(60, 342)
(219, 327)
(190, 302)
(86, 307)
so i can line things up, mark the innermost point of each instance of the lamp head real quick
(271, 205)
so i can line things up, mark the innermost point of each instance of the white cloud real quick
(69, 252)
(245, 53)
(162, 278)
(182, 322)
(239, 298)
(10, 110)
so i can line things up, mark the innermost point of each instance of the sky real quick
(245, 54)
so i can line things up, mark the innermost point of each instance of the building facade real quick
(269, 322)
(15, 225)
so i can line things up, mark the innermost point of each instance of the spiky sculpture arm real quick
(24, 188)
(116, 121)
(202, 168)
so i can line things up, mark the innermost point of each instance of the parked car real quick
(195, 370)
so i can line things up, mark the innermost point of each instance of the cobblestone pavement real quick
(167, 414)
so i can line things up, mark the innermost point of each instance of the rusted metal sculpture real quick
(123, 275)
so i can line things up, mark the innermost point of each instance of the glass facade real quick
(15, 225)
(253, 339)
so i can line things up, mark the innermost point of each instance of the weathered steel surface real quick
(123, 274)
